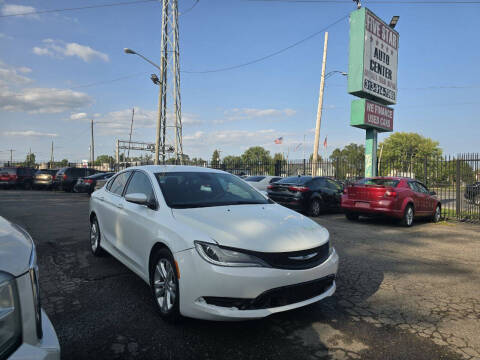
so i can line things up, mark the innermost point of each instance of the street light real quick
(156, 81)
(335, 72)
(394, 21)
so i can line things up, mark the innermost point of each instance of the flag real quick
(297, 147)
(279, 140)
(325, 143)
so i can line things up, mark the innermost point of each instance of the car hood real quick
(265, 228)
(15, 248)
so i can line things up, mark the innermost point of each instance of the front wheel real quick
(407, 219)
(164, 285)
(437, 214)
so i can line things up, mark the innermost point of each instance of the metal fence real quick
(456, 180)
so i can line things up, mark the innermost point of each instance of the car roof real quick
(391, 177)
(174, 168)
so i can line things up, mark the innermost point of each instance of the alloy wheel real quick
(94, 236)
(164, 285)
(437, 214)
(409, 216)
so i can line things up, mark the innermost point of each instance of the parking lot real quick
(403, 293)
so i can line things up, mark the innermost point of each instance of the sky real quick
(60, 70)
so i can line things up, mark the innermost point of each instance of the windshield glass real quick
(203, 189)
(255, 178)
(9, 171)
(379, 182)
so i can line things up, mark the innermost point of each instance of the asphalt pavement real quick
(402, 294)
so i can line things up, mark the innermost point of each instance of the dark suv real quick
(17, 177)
(66, 178)
(472, 193)
(304, 193)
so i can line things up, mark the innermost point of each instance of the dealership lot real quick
(402, 294)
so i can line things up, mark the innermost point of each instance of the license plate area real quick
(362, 204)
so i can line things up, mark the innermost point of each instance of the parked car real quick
(304, 193)
(472, 193)
(44, 178)
(99, 183)
(261, 182)
(17, 177)
(88, 184)
(209, 245)
(25, 330)
(397, 197)
(67, 177)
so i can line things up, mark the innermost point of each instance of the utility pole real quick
(131, 128)
(319, 109)
(51, 157)
(11, 155)
(117, 154)
(169, 44)
(92, 145)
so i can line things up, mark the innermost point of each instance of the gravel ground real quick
(402, 294)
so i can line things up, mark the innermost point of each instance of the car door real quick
(137, 223)
(429, 201)
(418, 198)
(112, 206)
(337, 190)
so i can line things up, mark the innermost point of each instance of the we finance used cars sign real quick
(373, 58)
(368, 114)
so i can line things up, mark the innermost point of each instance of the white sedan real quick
(26, 333)
(209, 245)
(261, 182)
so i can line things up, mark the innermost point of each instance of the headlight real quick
(221, 256)
(36, 291)
(10, 322)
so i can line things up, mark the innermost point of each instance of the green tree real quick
(215, 157)
(30, 160)
(101, 159)
(64, 162)
(256, 154)
(349, 161)
(409, 154)
(232, 160)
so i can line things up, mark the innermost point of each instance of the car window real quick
(202, 189)
(297, 180)
(379, 182)
(119, 183)
(140, 184)
(333, 185)
(421, 188)
(318, 183)
(8, 171)
(272, 180)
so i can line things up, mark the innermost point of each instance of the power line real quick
(38, 12)
(413, 2)
(189, 9)
(269, 55)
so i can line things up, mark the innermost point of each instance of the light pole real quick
(156, 81)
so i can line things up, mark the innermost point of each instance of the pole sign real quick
(373, 58)
(368, 114)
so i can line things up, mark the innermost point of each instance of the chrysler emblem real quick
(303, 257)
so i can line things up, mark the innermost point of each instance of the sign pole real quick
(371, 152)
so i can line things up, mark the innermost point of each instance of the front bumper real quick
(200, 279)
(47, 348)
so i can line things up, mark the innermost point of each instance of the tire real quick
(437, 214)
(408, 215)
(476, 199)
(314, 208)
(95, 238)
(163, 267)
(351, 216)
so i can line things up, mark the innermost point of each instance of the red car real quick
(397, 197)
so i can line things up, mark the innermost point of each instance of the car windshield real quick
(9, 171)
(204, 189)
(298, 180)
(255, 178)
(379, 182)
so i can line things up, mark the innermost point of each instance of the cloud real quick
(253, 113)
(43, 100)
(10, 76)
(60, 49)
(28, 133)
(11, 9)
(78, 116)
(5, 36)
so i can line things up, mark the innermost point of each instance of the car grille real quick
(281, 296)
(303, 259)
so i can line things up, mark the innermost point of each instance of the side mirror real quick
(137, 198)
(433, 193)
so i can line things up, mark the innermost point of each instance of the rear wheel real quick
(95, 238)
(164, 285)
(314, 208)
(408, 215)
(351, 216)
(437, 214)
